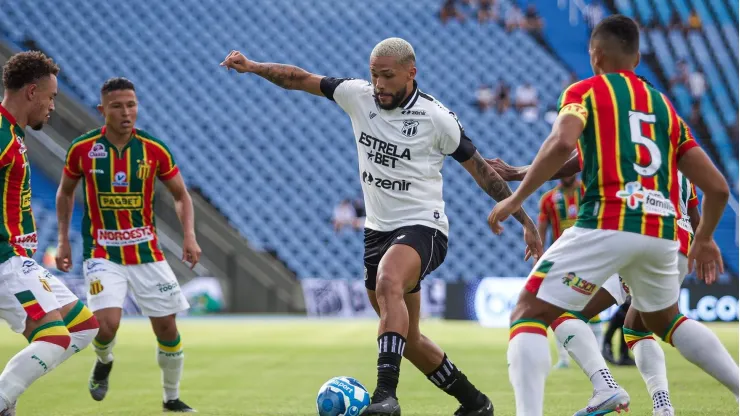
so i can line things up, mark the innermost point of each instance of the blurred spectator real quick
(525, 97)
(486, 11)
(532, 20)
(593, 13)
(485, 98)
(344, 216)
(695, 117)
(682, 74)
(502, 95)
(551, 114)
(676, 23)
(359, 205)
(697, 85)
(694, 21)
(449, 11)
(514, 18)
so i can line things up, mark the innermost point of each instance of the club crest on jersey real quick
(98, 151)
(579, 285)
(45, 284)
(120, 179)
(410, 128)
(652, 201)
(144, 170)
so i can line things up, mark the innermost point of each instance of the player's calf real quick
(696, 343)
(48, 339)
(171, 360)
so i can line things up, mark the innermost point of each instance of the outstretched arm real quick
(517, 173)
(286, 76)
(491, 182)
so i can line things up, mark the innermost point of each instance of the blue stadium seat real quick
(276, 162)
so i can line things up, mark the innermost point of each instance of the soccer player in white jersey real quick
(403, 136)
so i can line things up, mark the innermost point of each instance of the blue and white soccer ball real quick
(342, 396)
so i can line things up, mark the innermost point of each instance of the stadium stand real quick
(274, 162)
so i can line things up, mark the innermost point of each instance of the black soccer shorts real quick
(430, 243)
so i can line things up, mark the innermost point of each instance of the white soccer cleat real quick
(606, 401)
(664, 411)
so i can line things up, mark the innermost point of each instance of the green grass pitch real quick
(275, 367)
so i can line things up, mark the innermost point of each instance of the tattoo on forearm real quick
(286, 76)
(497, 188)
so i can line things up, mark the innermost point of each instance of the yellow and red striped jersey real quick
(18, 230)
(629, 149)
(118, 223)
(559, 207)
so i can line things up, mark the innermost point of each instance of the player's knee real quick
(165, 327)
(107, 329)
(389, 287)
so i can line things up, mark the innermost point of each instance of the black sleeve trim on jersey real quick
(465, 150)
(329, 84)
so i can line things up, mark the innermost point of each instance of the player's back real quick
(628, 152)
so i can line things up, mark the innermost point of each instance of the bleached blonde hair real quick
(397, 48)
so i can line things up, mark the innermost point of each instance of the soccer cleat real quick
(561, 364)
(664, 411)
(386, 407)
(10, 411)
(606, 401)
(99, 380)
(177, 406)
(485, 410)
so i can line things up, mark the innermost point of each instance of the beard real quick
(37, 126)
(397, 98)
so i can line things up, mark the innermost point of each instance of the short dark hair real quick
(621, 31)
(117, 84)
(26, 68)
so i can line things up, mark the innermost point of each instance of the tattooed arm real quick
(286, 76)
(491, 182)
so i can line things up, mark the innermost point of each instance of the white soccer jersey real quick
(400, 153)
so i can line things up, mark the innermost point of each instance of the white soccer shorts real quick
(582, 260)
(153, 285)
(619, 290)
(27, 290)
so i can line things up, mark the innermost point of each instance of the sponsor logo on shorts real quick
(93, 266)
(127, 237)
(652, 201)
(96, 287)
(166, 287)
(365, 273)
(96, 171)
(98, 151)
(29, 266)
(579, 285)
(624, 285)
(121, 200)
(28, 241)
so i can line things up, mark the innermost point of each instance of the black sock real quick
(390, 353)
(453, 382)
(615, 323)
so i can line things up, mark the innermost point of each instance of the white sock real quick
(171, 359)
(650, 361)
(577, 338)
(529, 363)
(563, 355)
(27, 366)
(700, 345)
(80, 341)
(104, 350)
(598, 330)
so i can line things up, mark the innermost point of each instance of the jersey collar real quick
(411, 99)
(7, 115)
